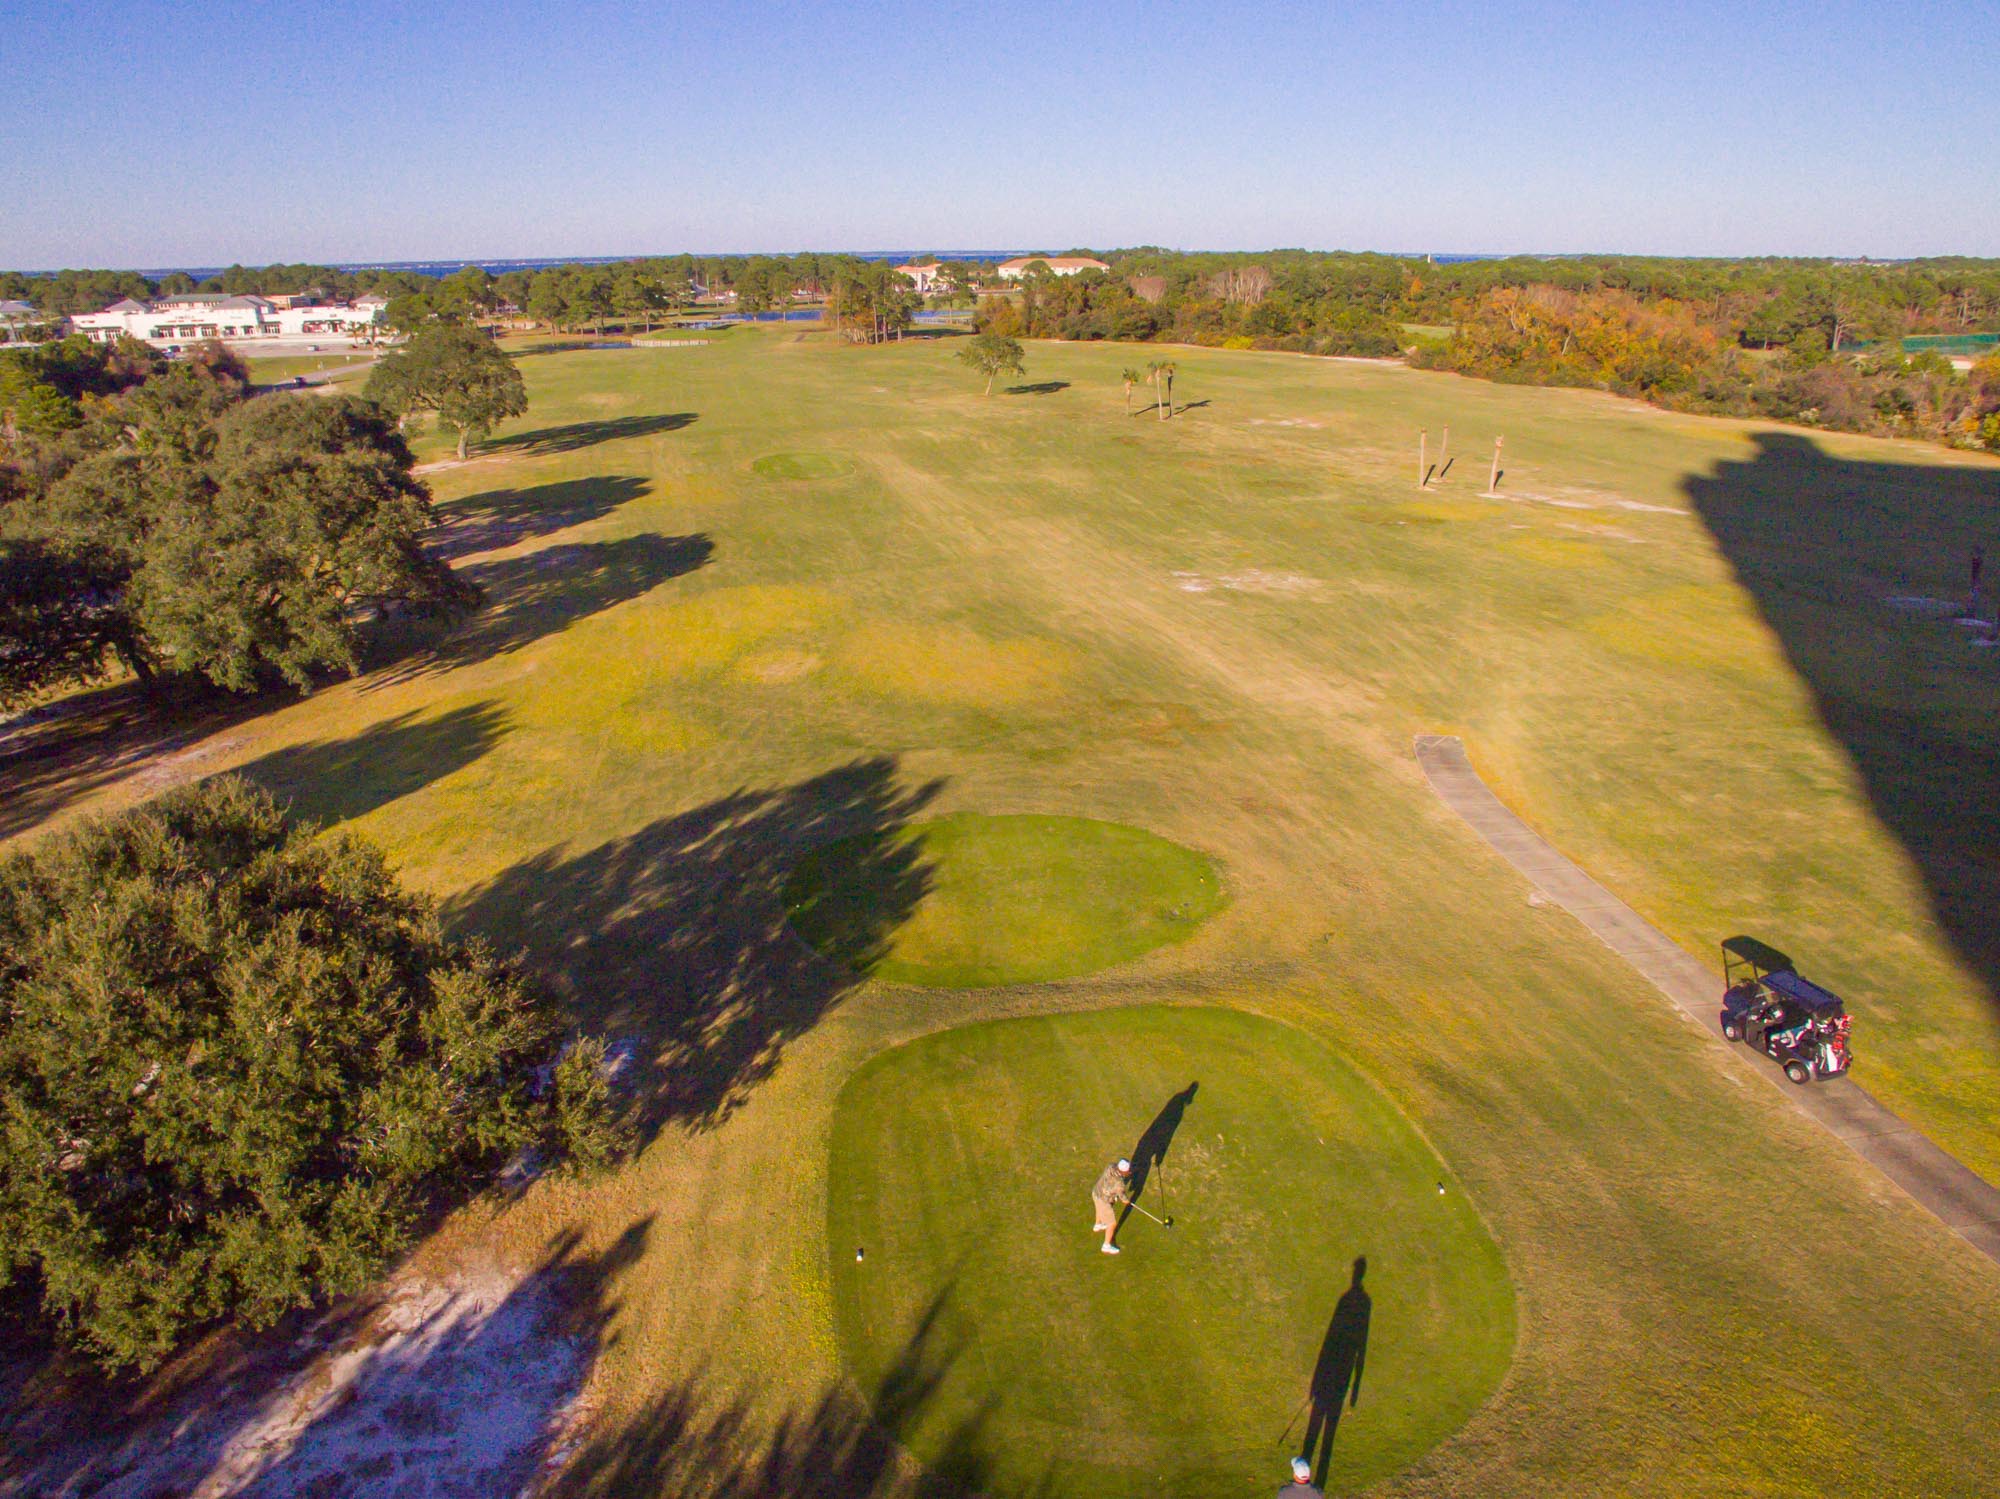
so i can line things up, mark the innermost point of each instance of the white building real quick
(15, 319)
(1061, 265)
(926, 278)
(191, 317)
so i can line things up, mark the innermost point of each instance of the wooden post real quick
(1444, 448)
(1493, 484)
(1423, 467)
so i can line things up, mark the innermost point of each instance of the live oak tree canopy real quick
(203, 533)
(455, 370)
(238, 1063)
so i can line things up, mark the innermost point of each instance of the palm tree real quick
(1131, 377)
(1163, 382)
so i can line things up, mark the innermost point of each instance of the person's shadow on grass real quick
(1337, 1375)
(1152, 1147)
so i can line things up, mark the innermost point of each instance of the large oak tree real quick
(239, 1063)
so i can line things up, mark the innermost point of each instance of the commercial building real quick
(925, 278)
(191, 317)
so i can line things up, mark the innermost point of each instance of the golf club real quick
(1166, 1222)
(1286, 1435)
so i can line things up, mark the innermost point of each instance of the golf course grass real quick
(962, 1166)
(801, 466)
(1005, 900)
(1672, 644)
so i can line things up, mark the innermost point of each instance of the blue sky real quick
(174, 133)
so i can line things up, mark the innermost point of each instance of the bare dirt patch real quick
(448, 1390)
(1251, 580)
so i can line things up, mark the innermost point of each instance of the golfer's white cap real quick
(1123, 1164)
(1302, 1471)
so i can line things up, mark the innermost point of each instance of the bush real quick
(238, 1063)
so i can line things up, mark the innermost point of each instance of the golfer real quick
(1112, 1192)
(1301, 1486)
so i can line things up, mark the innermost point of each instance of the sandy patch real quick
(452, 1390)
(1252, 580)
(185, 765)
(1284, 421)
(779, 666)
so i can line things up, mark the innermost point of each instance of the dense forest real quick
(1830, 343)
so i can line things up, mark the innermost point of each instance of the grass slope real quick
(1005, 900)
(962, 1163)
(1224, 628)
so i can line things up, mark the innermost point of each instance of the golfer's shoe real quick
(1110, 1248)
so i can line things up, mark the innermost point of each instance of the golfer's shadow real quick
(1152, 1147)
(1336, 1378)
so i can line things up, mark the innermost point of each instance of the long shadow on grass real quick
(332, 780)
(529, 597)
(1824, 545)
(502, 517)
(839, 1447)
(677, 937)
(1151, 1151)
(105, 734)
(449, 1387)
(575, 435)
(1336, 1377)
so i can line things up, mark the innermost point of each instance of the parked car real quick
(1765, 1003)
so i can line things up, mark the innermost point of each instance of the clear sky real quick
(148, 134)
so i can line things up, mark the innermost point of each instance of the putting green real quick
(801, 466)
(1004, 1349)
(970, 900)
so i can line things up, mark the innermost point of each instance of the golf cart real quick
(1798, 1024)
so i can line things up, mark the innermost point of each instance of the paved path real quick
(1966, 1203)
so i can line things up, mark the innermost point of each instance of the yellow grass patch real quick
(1556, 551)
(953, 665)
(1699, 626)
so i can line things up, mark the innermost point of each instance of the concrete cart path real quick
(1967, 1204)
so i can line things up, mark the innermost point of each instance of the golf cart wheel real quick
(1731, 1031)
(1798, 1072)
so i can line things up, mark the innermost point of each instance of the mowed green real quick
(1021, 899)
(961, 1169)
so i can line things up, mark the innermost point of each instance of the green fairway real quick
(801, 466)
(1004, 900)
(962, 1167)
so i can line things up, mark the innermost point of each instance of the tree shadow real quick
(1151, 1150)
(1836, 552)
(676, 936)
(502, 517)
(332, 780)
(1039, 388)
(842, 1446)
(1336, 1375)
(529, 597)
(104, 734)
(568, 439)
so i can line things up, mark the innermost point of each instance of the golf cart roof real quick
(1760, 955)
(1814, 998)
